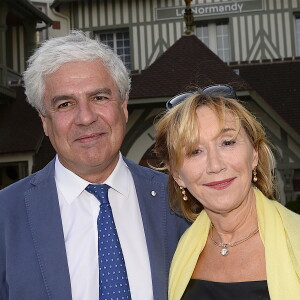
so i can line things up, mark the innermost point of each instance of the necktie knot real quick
(100, 191)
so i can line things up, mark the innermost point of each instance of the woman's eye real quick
(196, 151)
(229, 143)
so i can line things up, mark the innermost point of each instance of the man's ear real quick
(44, 122)
(124, 103)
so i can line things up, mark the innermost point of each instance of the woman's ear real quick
(254, 158)
(177, 178)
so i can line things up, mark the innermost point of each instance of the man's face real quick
(85, 118)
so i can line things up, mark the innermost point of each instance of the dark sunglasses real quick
(219, 90)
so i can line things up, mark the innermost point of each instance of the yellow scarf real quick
(279, 230)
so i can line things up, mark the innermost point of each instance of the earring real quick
(254, 179)
(184, 196)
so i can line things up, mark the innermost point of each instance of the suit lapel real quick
(46, 228)
(151, 196)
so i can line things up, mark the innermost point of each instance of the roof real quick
(189, 63)
(57, 3)
(186, 64)
(278, 82)
(20, 126)
(34, 11)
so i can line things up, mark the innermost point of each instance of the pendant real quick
(224, 251)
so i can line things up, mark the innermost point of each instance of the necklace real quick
(224, 251)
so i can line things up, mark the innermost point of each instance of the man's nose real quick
(86, 113)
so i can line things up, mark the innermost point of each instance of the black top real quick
(209, 290)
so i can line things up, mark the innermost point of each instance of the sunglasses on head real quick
(219, 90)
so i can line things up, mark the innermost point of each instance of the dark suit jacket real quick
(33, 261)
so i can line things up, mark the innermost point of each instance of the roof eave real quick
(57, 3)
(27, 5)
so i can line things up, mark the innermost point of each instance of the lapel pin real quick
(153, 193)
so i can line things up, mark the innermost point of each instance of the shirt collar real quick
(119, 178)
(71, 185)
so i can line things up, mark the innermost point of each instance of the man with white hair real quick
(53, 238)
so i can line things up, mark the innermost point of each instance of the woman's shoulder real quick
(199, 228)
(289, 218)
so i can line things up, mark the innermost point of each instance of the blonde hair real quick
(177, 135)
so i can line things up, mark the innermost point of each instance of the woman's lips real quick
(220, 185)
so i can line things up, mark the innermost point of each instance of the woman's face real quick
(219, 171)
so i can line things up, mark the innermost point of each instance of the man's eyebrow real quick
(100, 91)
(62, 97)
(73, 97)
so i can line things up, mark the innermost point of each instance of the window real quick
(41, 31)
(12, 172)
(119, 42)
(298, 36)
(216, 37)
(202, 34)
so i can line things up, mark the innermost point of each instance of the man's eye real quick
(101, 98)
(64, 105)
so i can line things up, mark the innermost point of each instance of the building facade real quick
(241, 33)
(242, 30)
(20, 21)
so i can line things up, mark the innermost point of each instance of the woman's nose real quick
(215, 162)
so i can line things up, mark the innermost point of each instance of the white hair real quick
(76, 46)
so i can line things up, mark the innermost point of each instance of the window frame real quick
(212, 39)
(297, 33)
(115, 47)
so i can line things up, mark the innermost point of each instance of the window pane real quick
(123, 46)
(226, 43)
(298, 36)
(202, 33)
(223, 28)
(223, 44)
(12, 171)
(120, 51)
(216, 37)
(104, 37)
(107, 39)
(120, 43)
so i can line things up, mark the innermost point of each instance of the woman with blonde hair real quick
(243, 244)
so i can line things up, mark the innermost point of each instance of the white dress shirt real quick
(79, 211)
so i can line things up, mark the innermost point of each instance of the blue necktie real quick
(113, 281)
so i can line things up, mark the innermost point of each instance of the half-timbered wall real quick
(259, 29)
(16, 58)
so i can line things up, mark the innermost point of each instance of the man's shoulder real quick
(146, 172)
(18, 188)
